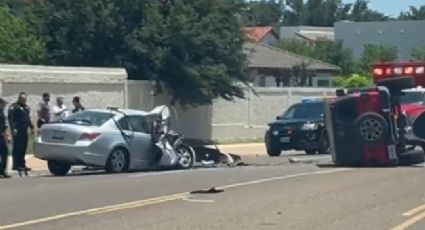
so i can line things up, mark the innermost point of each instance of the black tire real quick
(57, 168)
(186, 157)
(273, 150)
(310, 152)
(397, 84)
(324, 143)
(370, 129)
(118, 161)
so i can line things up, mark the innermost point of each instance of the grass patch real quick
(240, 141)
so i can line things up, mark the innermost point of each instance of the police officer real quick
(20, 121)
(4, 152)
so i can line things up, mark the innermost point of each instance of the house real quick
(275, 67)
(264, 35)
(307, 33)
(405, 35)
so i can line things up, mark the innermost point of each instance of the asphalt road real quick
(269, 194)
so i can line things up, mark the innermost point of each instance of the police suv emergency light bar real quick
(416, 70)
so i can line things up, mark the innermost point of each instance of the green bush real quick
(353, 81)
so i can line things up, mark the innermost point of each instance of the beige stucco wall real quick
(97, 87)
(246, 119)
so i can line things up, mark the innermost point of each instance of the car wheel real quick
(58, 168)
(186, 157)
(272, 150)
(325, 146)
(370, 129)
(310, 152)
(118, 161)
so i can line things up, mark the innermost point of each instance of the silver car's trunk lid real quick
(63, 133)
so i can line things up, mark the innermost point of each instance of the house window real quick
(322, 83)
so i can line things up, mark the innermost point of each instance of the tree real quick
(327, 12)
(17, 45)
(197, 50)
(192, 48)
(263, 13)
(353, 81)
(376, 53)
(415, 13)
(361, 13)
(419, 54)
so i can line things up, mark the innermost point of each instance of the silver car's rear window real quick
(89, 118)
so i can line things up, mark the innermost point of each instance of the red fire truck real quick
(377, 125)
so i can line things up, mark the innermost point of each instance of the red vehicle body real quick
(373, 126)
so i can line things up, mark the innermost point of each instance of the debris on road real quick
(294, 160)
(212, 190)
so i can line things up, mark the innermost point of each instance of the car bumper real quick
(78, 154)
(301, 140)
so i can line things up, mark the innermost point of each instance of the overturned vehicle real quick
(377, 126)
(115, 140)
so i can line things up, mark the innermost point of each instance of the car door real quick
(139, 140)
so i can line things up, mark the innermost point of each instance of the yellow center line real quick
(93, 211)
(156, 200)
(410, 222)
(414, 211)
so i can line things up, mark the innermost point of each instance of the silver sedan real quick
(117, 141)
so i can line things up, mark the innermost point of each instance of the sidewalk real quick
(32, 162)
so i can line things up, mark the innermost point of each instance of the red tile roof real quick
(256, 34)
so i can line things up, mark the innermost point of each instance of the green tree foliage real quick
(263, 13)
(419, 54)
(415, 13)
(327, 12)
(196, 50)
(376, 53)
(361, 13)
(17, 45)
(326, 51)
(353, 81)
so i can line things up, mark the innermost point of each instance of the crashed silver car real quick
(116, 140)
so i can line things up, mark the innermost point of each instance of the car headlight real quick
(310, 126)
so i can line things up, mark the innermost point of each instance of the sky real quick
(391, 7)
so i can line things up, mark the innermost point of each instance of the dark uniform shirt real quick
(78, 109)
(3, 125)
(19, 117)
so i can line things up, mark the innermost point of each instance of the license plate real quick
(285, 139)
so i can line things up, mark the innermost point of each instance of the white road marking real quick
(198, 200)
(282, 178)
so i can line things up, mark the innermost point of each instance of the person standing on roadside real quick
(4, 151)
(44, 110)
(59, 110)
(19, 122)
(77, 105)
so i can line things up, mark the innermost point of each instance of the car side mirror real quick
(278, 118)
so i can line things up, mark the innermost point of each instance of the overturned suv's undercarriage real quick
(368, 126)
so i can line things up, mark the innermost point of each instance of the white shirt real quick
(59, 113)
